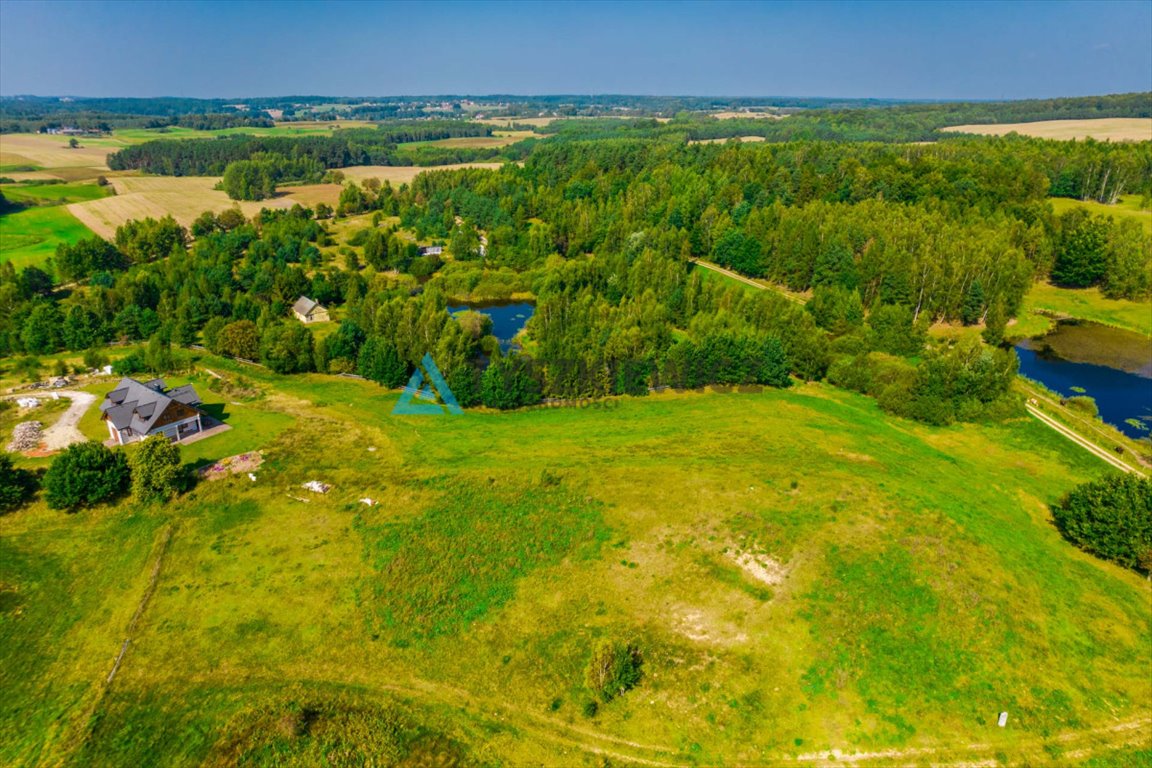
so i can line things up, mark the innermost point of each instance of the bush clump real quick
(614, 669)
(85, 474)
(1110, 518)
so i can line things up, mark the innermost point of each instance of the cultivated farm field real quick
(1103, 129)
(182, 197)
(403, 174)
(801, 572)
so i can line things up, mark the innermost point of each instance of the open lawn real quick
(1082, 303)
(29, 237)
(1103, 128)
(801, 572)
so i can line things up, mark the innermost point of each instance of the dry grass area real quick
(403, 174)
(1104, 129)
(51, 152)
(722, 141)
(184, 198)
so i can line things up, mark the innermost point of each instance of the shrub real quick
(510, 382)
(1084, 404)
(85, 474)
(131, 364)
(16, 485)
(157, 473)
(614, 669)
(1110, 518)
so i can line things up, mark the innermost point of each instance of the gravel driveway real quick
(66, 430)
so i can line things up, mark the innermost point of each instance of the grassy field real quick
(1082, 303)
(53, 194)
(1127, 208)
(29, 237)
(1104, 129)
(895, 605)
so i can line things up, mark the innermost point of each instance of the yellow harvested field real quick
(184, 198)
(30, 176)
(747, 115)
(1103, 129)
(721, 141)
(503, 121)
(52, 151)
(403, 174)
(311, 194)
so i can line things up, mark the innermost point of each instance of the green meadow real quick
(1045, 301)
(1127, 207)
(29, 237)
(53, 194)
(801, 572)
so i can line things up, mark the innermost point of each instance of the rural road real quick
(1068, 433)
(65, 431)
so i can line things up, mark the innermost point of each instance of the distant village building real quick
(136, 410)
(308, 311)
(432, 250)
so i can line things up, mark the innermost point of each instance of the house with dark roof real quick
(308, 311)
(136, 410)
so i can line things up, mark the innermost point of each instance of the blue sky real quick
(945, 50)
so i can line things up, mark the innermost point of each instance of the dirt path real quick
(66, 431)
(1068, 433)
(746, 280)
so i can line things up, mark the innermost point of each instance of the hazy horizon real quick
(944, 51)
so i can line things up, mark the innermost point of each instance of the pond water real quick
(507, 318)
(1110, 365)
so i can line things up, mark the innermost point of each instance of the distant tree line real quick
(104, 122)
(886, 123)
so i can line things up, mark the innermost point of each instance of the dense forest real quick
(884, 238)
(106, 122)
(345, 147)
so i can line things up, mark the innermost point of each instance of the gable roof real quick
(145, 406)
(304, 305)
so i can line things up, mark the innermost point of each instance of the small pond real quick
(1112, 366)
(507, 318)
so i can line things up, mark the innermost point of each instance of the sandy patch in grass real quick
(761, 568)
(1104, 128)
